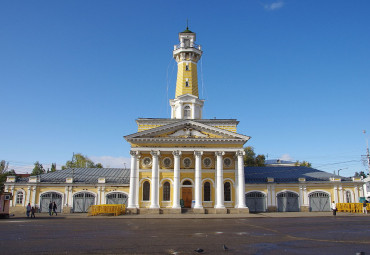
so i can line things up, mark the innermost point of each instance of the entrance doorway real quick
(187, 196)
(82, 201)
(48, 197)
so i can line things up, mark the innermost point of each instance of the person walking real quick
(28, 210)
(334, 208)
(50, 208)
(33, 212)
(364, 209)
(55, 209)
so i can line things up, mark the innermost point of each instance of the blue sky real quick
(74, 76)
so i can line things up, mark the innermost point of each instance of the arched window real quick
(348, 197)
(187, 112)
(227, 191)
(207, 191)
(186, 182)
(146, 191)
(166, 191)
(19, 198)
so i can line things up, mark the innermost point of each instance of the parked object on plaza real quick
(352, 207)
(5, 199)
(115, 210)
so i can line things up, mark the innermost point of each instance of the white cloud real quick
(274, 6)
(111, 162)
(286, 157)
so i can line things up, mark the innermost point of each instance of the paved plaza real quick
(256, 234)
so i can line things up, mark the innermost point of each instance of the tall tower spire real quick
(187, 104)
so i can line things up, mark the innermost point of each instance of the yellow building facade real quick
(186, 162)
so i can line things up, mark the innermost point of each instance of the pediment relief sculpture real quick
(188, 133)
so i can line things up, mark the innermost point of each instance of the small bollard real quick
(360, 253)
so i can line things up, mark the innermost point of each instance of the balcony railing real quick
(192, 45)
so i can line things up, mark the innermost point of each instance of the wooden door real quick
(187, 197)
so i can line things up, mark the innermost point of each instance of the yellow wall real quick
(191, 75)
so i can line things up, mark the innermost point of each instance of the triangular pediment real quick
(186, 131)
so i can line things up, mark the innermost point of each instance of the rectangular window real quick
(19, 198)
(187, 67)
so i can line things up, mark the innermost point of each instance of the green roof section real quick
(187, 31)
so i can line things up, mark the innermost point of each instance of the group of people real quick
(30, 210)
(53, 208)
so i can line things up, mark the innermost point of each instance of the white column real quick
(236, 187)
(220, 180)
(361, 191)
(193, 111)
(28, 195)
(70, 196)
(273, 195)
(14, 197)
(33, 196)
(132, 195)
(241, 179)
(356, 194)
(176, 179)
(340, 194)
(198, 179)
(269, 201)
(155, 180)
(335, 194)
(300, 195)
(99, 196)
(66, 196)
(305, 196)
(103, 195)
(137, 192)
(181, 110)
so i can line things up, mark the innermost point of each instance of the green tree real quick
(53, 167)
(38, 169)
(81, 161)
(360, 174)
(3, 166)
(4, 173)
(250, 158)
(303, 163)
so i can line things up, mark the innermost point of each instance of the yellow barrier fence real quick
(351, 207)
(107, 209)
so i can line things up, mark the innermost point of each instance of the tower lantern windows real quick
(186, 43)
(187, 83)
(187, 67)
(187, 112)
